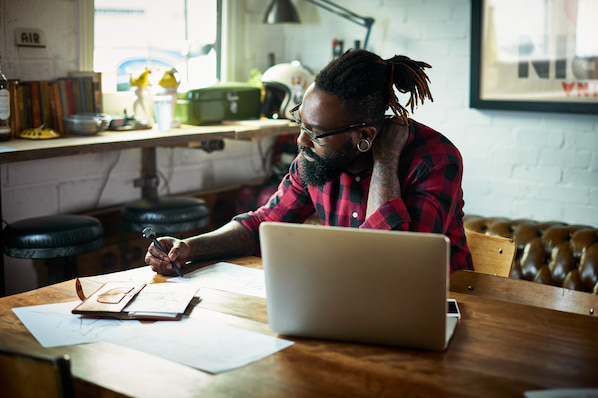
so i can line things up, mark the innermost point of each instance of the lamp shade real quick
(281, 11)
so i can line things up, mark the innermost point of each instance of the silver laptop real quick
(366, 286)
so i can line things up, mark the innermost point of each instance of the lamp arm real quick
(367, 34)
(366, 22)
(344, 13)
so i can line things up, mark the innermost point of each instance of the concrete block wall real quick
(76, 184)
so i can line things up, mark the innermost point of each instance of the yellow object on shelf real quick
(39, 133)
(142, 80)
(169, 79)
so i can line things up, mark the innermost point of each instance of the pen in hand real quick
(149, 233)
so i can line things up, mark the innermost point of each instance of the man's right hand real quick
(178, 251)
(230, 240)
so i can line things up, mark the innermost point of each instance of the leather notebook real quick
(135, 300)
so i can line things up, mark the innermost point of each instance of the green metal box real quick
(226, 101)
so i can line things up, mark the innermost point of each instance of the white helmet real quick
(284, 86)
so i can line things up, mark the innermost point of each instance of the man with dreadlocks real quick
(357, 167)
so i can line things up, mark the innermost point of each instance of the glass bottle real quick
(5, 130)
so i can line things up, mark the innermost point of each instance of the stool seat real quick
(57, 239)
(165, 215)
(52, 236)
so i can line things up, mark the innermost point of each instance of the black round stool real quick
(58, 239)
(165, 215)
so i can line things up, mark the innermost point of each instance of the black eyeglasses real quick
(316, 137)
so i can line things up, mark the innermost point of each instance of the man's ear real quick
(369, 133)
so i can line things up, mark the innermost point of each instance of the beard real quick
(325, 169)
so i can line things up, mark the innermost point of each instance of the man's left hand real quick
(390, 141)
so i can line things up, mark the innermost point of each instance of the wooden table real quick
(18, 150)
(499, 349)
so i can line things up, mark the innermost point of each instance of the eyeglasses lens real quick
(295, 114)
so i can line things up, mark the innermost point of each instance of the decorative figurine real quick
(170, 82)
(141, 84)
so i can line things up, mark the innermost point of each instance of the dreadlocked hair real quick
(365, 83)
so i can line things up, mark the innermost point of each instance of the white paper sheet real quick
(167, 297)
(54, 325)
(139, 274)
(194, 342)
(228, 277)
(202, 344)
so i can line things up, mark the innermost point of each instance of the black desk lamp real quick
(280, 11)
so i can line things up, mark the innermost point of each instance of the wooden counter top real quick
(17, 150)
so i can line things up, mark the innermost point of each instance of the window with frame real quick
(132, 35)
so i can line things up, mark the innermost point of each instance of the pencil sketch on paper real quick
(54, 325)
(228, 277)
(163, 297)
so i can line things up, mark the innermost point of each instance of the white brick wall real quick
(542, 166)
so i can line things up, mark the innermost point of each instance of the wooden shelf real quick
(17, 150)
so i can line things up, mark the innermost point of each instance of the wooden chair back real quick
(26, 375)
(492, 255)
(524, 292)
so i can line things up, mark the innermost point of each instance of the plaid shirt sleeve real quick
(432, 198)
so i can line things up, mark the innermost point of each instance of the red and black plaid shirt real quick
(430, 172)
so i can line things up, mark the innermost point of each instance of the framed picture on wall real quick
(535, 55)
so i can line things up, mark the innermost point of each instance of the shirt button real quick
(358, 178)
(354, 214)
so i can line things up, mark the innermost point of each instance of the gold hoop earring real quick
(361, 147)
